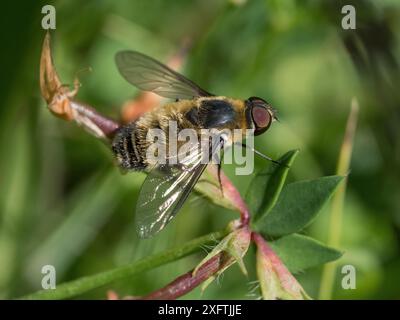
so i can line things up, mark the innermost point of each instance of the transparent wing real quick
(150, 75)
(166, 188)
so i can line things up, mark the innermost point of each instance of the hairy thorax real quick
(132, 140)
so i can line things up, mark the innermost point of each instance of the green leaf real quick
(299, 252)
(267, 184)
(298, 204)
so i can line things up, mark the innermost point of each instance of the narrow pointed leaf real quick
(267, 184)
(297, 206)
(299, 252)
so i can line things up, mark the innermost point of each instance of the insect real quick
(167, 186)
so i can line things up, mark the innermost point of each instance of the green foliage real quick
(299, 252)
(84, 284)
(298, 204)
(285, 210)
(292, 53)
(281, 211)
(267, 184)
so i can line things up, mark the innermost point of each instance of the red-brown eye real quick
(261, 118)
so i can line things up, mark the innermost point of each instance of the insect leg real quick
(216, 156)
(222, 141)
(219, 179)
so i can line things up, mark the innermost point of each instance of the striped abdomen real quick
(126, 148)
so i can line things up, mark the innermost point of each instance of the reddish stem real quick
(187, 282)
(231, 193)
(260, 242)
(106, 125)
(263, 246)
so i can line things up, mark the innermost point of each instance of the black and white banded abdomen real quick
(126, 148)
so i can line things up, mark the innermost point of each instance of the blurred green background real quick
(62, 202)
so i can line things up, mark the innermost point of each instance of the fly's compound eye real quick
(262, 119)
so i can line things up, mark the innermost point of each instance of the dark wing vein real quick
(150, 75)
(166, 188)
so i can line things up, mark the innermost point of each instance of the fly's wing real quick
(166, 188)
(150, 75)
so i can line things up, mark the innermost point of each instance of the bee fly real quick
(166, 187)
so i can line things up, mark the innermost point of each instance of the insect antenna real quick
(262, 155)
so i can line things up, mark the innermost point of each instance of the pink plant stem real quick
(106, 125)
(187, 282)
(272, 264)
(231, 193)
(236, 198)
(261, 243)
(263, 246)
